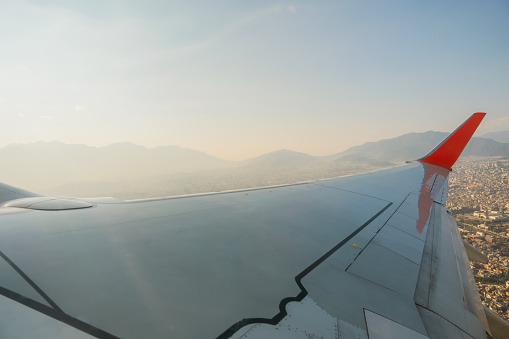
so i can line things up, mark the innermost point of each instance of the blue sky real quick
(237, 79)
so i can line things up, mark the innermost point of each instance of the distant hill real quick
(356, 159)
(280, 159)
(129, 171)
(486, 147)
(412, 146)
(498, 136)
(46, 164)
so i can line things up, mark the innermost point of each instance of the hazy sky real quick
(240, 78)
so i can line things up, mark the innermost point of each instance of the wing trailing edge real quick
(449, 150)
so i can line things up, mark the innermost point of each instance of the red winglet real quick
(449, 150)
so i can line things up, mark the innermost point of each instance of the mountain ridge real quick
(58, 168)
(502, 136)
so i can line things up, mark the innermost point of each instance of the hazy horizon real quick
(236, 80)
(186, 148)
(339, 150)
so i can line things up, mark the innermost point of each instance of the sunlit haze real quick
(239, 79)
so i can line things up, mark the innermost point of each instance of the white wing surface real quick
(366, 256)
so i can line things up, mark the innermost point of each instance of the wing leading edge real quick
(374, 255)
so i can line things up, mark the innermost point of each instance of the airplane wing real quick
(364, 256)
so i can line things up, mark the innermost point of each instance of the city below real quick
(479, 200)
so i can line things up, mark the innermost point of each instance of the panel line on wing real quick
(199, 195)
(169, 215)
(343, 190)
(282, 305)
(397, 253)
(31, 283)
(58, 315)
(422, 310)
(404, 230)
(338, 246)
(369, 242)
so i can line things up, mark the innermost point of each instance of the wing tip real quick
(449, 150)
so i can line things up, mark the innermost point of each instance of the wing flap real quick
(474, 254)
(446, 286)
(499, 327)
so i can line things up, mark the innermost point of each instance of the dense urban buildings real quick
(479, 199)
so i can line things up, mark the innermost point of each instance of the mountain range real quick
(502, 136)
(415, 145)
(126, 170)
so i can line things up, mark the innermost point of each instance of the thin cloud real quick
(44, 117)
(80, 108)
(500, 124)
(284, 9)
(21, 115)
(185, 51)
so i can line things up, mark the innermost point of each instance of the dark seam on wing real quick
(342, 189)
(385, 223)
(57, 314)
(29, 281)
(282, 305)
